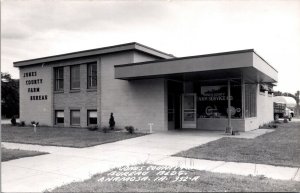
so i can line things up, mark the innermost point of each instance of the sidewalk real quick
(64, 164)
(245, 169)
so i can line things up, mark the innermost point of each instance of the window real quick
(59, 117)
(59, 79)
(75, 117)
(92, 75)
(92, 117)
(250, 100)
(75, 77)
(212, 99)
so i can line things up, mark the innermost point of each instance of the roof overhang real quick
(98, 51)
(244, 63)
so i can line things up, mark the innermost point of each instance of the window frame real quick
(58, 79)
(71, 76)
(56, 117)
(71, 117)
(91, 76)
(250, 100)
(88, 117)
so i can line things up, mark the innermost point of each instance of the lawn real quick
(59, 136)
(151, 178)
(10, 154)
(281, 148)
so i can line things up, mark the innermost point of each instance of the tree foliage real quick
(9, 95)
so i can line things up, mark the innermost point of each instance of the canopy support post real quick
(228, 128)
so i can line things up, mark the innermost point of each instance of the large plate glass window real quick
(75, 77)
(92, 75)
(59, 79)
(75, 117)
(213, 100)
(92, 117)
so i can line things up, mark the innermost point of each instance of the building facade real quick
(141, 85)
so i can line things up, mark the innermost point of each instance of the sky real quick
(39, 28)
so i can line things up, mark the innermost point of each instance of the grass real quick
(206, 182)
(59, 136)
(11, 154)
(280, 148)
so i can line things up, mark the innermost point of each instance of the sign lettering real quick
(34, 89)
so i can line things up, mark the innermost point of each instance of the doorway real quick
(189, 112)
(175, 89)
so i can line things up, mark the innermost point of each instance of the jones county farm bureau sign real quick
(34, 86)
(148, 173)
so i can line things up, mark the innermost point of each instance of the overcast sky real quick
(31, 29)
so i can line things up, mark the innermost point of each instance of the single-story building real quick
(141, 85)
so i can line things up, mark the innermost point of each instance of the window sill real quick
(91, 90)
(77, 90)
(75, 126)
(59, 125)
(58, 91)
(262, 93)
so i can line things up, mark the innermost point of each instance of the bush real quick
(22, 123)
(13, 121)
(130, 129)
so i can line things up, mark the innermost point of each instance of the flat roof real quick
(97, 51)
(246, 62)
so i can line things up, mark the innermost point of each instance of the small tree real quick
(112, 122)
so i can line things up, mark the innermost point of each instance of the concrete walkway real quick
(274, 172)
(64, 165)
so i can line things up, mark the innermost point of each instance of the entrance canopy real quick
(235, 64)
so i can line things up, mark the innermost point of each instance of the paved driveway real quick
(64, 165)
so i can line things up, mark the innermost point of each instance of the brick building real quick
(141, 85)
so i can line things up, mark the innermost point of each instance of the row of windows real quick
(75, 77)
(75, 117)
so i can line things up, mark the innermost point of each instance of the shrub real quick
(13, 121)
(130, 129)
(22, 123)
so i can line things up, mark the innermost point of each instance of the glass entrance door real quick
(189, 116)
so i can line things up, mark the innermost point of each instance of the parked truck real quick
(281, 111)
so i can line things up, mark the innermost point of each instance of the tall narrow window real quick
(92, 117)
(59, 117)
(59, 79)
(250, 100)
(75, 77)
(92, 75)
(75, 117)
